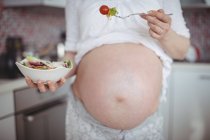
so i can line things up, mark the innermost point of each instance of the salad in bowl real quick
(38, 69)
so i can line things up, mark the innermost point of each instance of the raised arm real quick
(170, 31)
(72, 24)
(72, 31)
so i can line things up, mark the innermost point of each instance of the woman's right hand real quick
(45, 86)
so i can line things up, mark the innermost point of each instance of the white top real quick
(87, 28)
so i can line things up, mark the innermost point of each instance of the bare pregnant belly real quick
(119, 84)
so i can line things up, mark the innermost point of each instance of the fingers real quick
(41, 86)
(155, 21)
(30, 82)
(155, 31)
(45, 86)
(52, 86)
(154, 34)
(158, 22)
(61, 82)
(160, 15)
(161, 11)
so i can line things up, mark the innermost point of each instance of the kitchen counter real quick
(8, 100)
(188, 102)
(18, 104)
(8, 85)
(175, 64)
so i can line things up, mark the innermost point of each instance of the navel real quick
(120, 99)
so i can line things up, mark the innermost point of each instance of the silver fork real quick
(134, 14)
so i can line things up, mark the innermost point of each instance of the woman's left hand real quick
(159, 23)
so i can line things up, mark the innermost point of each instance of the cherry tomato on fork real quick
(104, 10)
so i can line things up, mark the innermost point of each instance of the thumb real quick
(161, 10)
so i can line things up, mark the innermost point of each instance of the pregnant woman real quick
(121, 67)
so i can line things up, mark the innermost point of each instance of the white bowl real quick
(43, 75)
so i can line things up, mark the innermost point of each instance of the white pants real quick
(80, 125)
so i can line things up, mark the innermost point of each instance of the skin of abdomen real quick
(119, 84)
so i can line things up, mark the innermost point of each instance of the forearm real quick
(175, 45)
(159, 23)
(71, 55)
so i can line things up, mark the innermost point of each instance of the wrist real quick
(72, 72)
(168, 36)
(174, 45)
(70, 55)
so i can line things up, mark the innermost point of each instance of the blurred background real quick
(37, 27)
